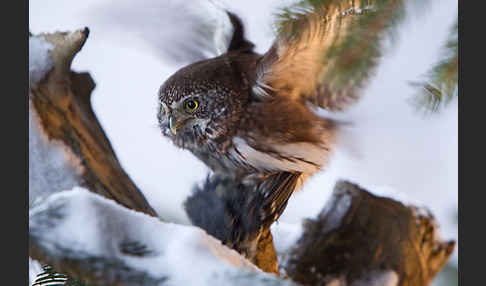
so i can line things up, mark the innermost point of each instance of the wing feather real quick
(180, 32)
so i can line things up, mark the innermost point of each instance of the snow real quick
(184, 255)
(378, 278)
(40, 61)
(285, 235)
(35, 268)
(51, 169)
(375, 278)
(335, 209)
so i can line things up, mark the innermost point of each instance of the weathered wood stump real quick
(359, 238)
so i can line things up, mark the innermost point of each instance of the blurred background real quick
(390, 149)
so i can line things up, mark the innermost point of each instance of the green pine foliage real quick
(441, 82)
(350, 60)
(52, 278)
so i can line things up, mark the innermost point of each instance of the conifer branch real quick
(355, 36)
(441, 82)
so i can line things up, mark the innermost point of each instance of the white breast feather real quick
(306, 151)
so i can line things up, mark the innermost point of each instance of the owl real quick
(250, 116)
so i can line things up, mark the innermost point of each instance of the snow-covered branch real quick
(64, 122)
(94, 239)
(362, 239)
(357, 239)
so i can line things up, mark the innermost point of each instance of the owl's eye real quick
(191, 105)
(162, 109)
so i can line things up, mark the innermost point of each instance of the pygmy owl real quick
(251, 116)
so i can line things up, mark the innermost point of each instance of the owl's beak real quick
(175, 124)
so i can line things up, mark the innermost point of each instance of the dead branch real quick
(359, 237)
(61, 101)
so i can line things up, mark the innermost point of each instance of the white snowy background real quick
(391, 149)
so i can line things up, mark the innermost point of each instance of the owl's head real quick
(202, 100)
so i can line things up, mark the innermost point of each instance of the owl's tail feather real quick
(277, 189)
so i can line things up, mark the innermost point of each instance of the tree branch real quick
(61, 101)
(361, 237)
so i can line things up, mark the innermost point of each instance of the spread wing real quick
(179, 32)
(325, 51)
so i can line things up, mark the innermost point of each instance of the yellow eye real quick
(191, 105)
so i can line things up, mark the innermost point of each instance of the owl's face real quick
(192, 113)
(203, 103)
(186, 115)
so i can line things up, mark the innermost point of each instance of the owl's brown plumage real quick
(249, 116)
